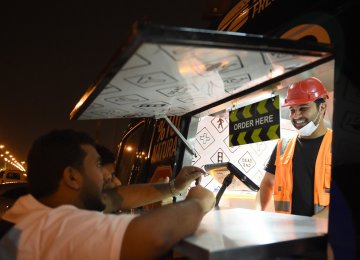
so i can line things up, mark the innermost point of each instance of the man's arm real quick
(154, 233)
(137, 195)
(266, 189)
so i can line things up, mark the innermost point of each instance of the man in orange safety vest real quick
(298, 173)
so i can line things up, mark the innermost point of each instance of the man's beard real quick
(92, 200)
(305, 121)
(93, 203)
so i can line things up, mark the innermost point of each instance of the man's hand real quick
(186, 176)
(202, 195)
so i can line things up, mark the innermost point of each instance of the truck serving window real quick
(212, 135)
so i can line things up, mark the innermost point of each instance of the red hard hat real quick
(305, 91)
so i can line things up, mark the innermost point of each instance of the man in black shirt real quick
(299, 170)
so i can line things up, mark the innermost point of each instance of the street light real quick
(9, 159)
(2, 155)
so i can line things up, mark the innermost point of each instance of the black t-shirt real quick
(304, 159)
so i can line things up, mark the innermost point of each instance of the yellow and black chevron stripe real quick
(254, 123)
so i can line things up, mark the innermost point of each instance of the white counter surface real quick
(253, 234)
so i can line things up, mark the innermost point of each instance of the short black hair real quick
(319, 101)
(50, 154)
(106, 155)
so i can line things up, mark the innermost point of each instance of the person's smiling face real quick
(301, 115)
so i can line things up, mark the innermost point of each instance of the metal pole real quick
(188, 146)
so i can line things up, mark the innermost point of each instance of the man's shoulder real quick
(284, 141)
(23, 206)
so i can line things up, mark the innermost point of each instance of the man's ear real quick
(323, 107)
(72, 178)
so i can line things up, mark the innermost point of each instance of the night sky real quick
(50, 53)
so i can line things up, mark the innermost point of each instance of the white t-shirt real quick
(65, 232)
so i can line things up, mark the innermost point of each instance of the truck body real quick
(183, 86)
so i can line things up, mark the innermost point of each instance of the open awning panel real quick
(174, 71)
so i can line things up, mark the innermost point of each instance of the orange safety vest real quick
(283, 183)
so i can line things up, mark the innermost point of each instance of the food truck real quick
(191, 87)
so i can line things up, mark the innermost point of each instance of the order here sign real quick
(254, 123)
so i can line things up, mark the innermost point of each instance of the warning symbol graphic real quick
(254, 123)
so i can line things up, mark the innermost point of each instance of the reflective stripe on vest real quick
(282, 206)
(283, 183)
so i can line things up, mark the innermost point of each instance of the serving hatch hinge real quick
(187, 144)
